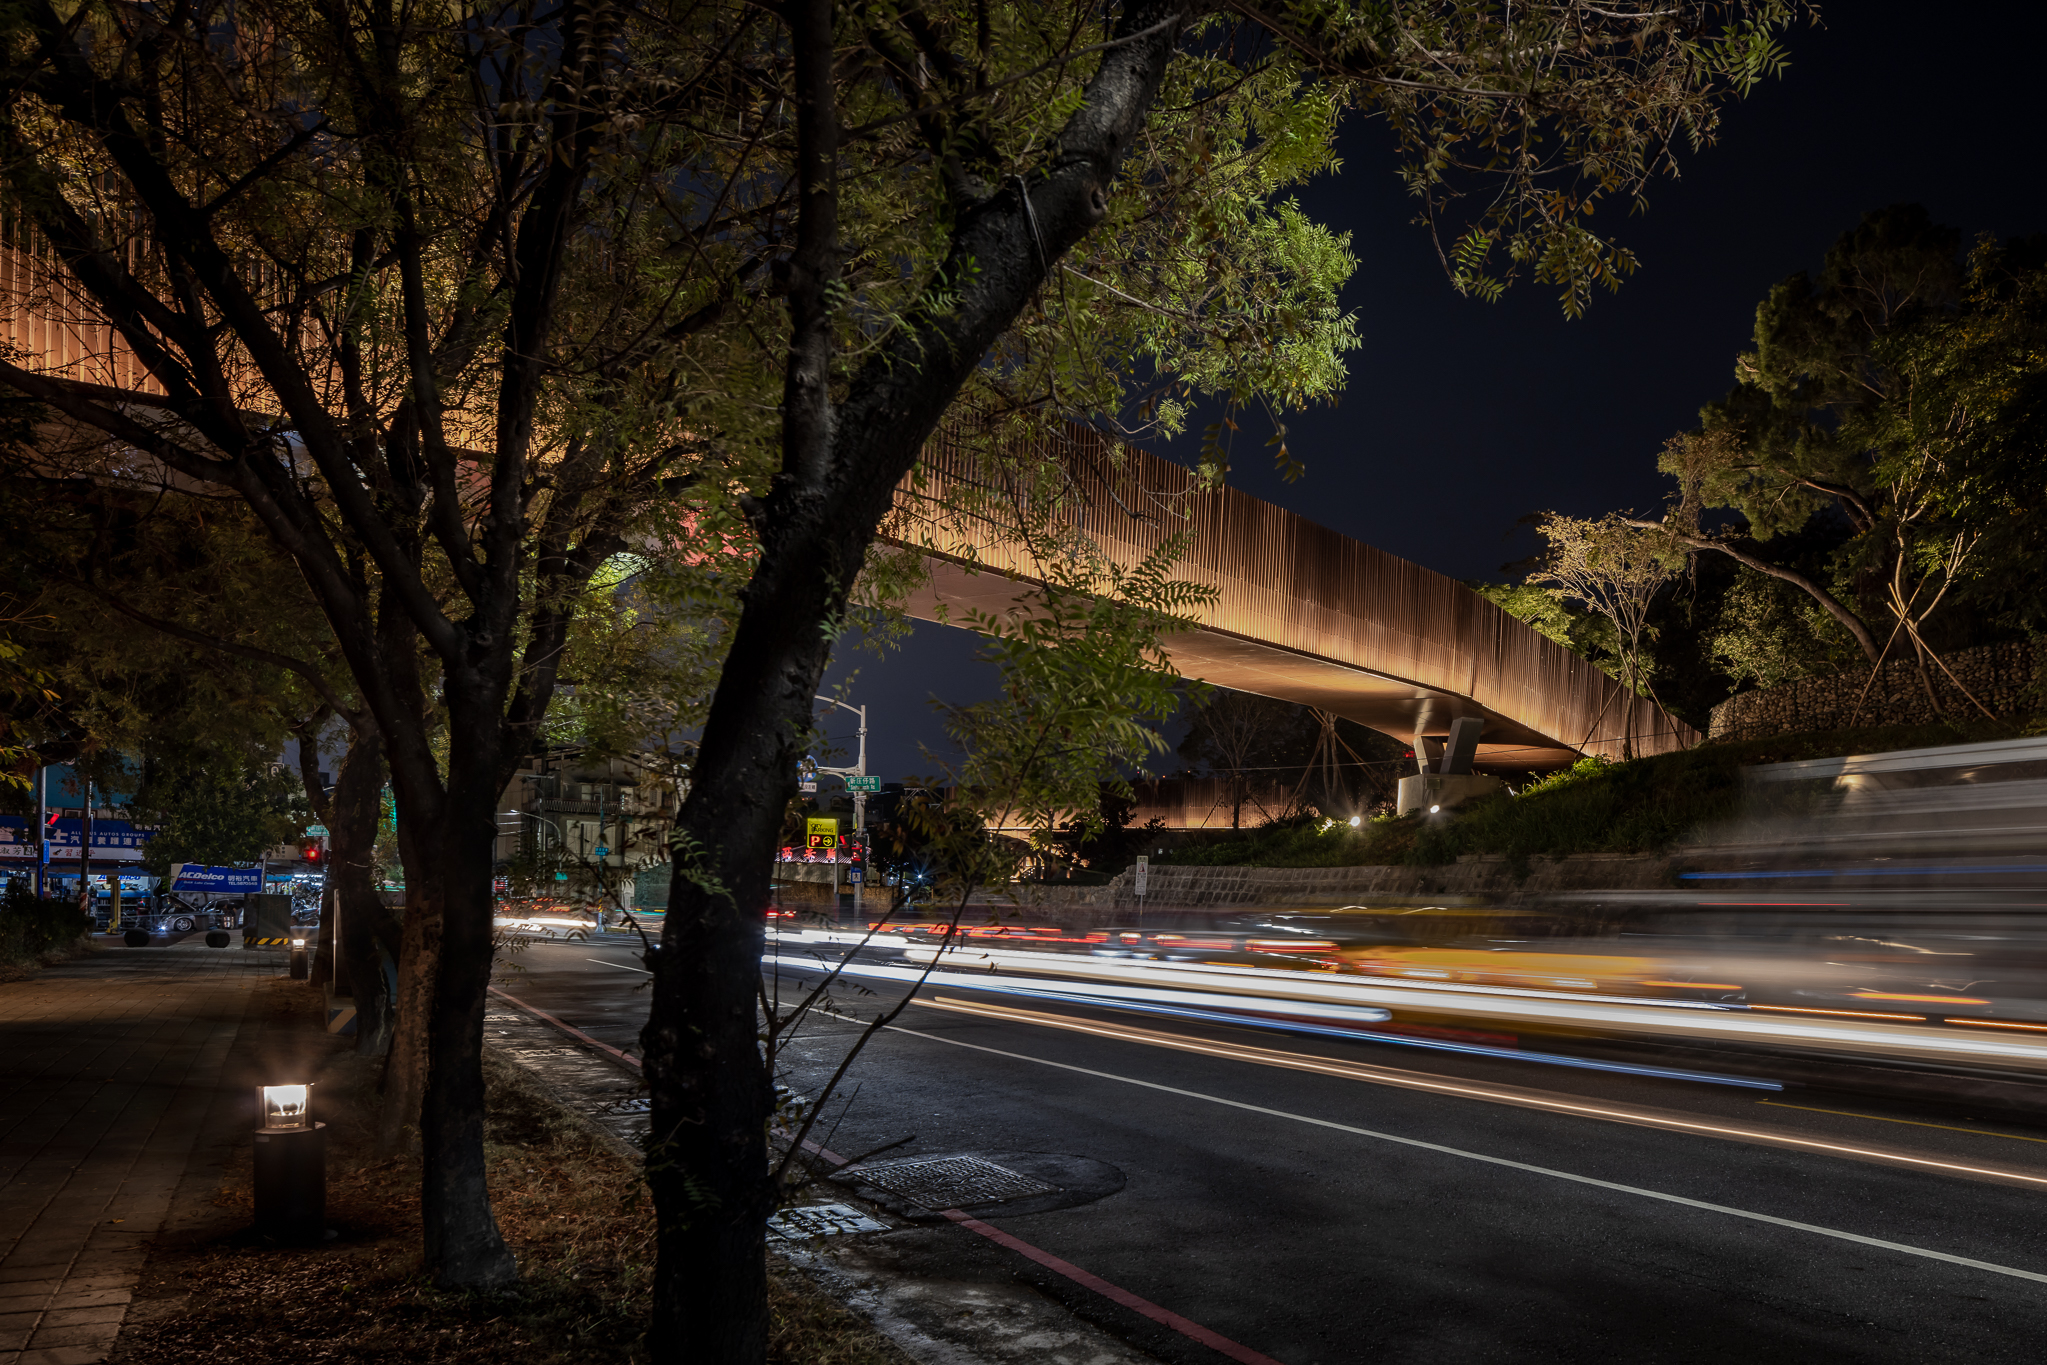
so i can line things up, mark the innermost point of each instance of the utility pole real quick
(85, 855)
(42, 831)
(859, 771)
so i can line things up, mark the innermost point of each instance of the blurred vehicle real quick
(547, 919)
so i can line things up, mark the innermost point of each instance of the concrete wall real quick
(2006, 678)
(1483, 877)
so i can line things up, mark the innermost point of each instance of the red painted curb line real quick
(569, 1029)
(1165, 1317)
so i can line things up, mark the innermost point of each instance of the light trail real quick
(1637, 1115)
(1333, 1021)
(1852, 1032)
(1838, 1234)
(1909, 1123)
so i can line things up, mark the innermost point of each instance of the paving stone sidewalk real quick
(110, 1069)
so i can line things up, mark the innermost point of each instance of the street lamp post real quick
(859, 769)
(560, 839)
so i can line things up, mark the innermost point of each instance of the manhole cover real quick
(951, 1181)
(822, 1220)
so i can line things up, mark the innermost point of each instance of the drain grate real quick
(822, 1220)
(950, 1182)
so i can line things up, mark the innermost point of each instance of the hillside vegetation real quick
(1643, 806)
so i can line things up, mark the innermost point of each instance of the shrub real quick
(31, 926)
(1594, 806)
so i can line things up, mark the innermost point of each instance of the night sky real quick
(1462, 417)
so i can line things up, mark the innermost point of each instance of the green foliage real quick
(31, 927)
(216, 808)
(1086, 683)
(1644, 805)
(1899, 394)
(1768, 632)
(1302, 841)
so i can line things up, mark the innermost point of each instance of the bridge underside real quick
(1298, 612)
(1389, 705)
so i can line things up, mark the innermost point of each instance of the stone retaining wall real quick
(2006, 678)
(1490, 878)
(1485, 877)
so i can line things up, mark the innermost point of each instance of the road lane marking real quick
(1838, 1234)
(1496, 1094)
(620, 965)
(1914, 1123)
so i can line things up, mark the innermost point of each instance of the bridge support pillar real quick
(1433, 792)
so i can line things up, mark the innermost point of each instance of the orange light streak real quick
(1695, 985)
(1929, 999)
(1410, 1080)
(1851, 1014)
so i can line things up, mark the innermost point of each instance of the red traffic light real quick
(311, 853)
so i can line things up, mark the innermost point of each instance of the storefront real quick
(116, 848)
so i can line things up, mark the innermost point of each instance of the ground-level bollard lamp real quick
(298, 960)
(291, 1166)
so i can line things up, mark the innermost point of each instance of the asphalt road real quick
(1403, 1205)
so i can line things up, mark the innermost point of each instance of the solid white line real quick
(1514, 1095)
(1836, 1233)
(620, 965)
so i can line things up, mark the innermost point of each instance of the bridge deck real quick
(1301, 612)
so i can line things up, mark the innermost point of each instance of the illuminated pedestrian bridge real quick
(1300, 612)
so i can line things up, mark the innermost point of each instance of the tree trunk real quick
(707, 1159)
(368, 946)
(463, 1245)
(419, 936)
(1832, 605)
(419, 952)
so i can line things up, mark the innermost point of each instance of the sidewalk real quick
(110, 1069)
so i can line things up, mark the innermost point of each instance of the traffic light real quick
(312, 853)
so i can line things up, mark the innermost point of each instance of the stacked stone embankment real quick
(2007, 679)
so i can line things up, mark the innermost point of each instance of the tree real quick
(1023, 126)
(181, 636)
(457, 299)
(216, 808)
(1242, 737)
(1616, 568)
(1895, 394)
(1767, 632)
(377, 267)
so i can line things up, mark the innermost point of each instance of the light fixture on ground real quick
(299, 965)
(1434, 809)
(1357, 822)
(291, 1166)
